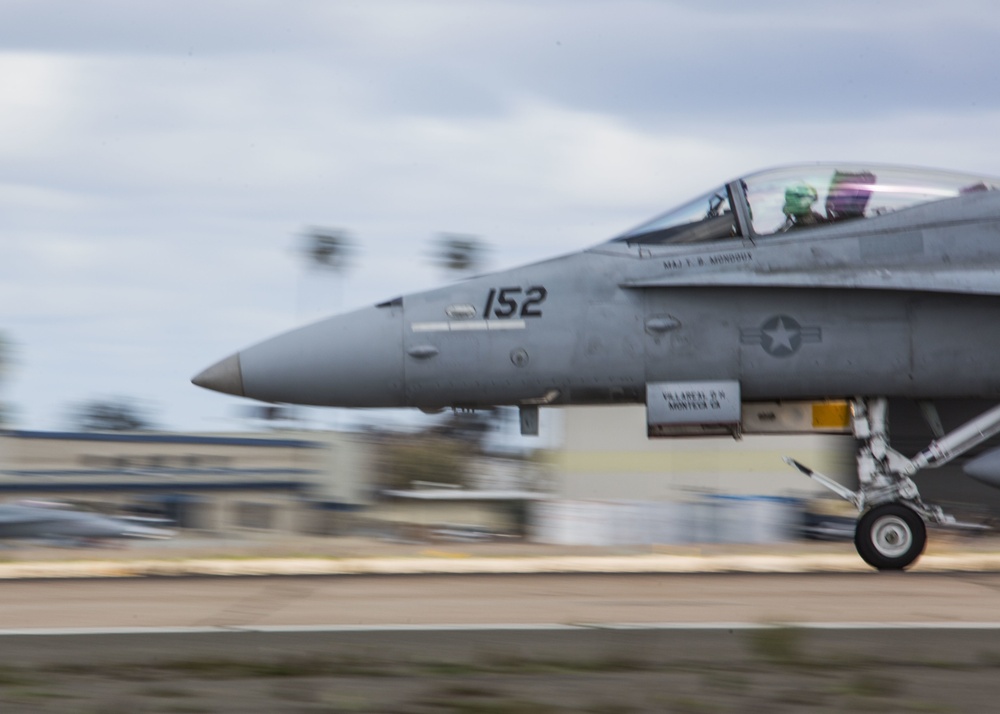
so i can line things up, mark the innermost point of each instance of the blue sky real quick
(159, 161)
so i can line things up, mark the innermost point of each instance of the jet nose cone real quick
(224, 376)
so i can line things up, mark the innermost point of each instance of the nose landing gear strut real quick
(891, 531)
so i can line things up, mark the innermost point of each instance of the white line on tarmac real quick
(666, 626)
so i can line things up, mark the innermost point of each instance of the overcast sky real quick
(159, 160)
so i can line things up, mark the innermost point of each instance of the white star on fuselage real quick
(781, 337)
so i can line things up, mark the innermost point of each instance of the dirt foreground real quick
(760, 669)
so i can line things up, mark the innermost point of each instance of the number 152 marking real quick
(515, 302)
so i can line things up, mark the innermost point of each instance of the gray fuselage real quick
(905, 303)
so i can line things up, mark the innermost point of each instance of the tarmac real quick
(721, 635)
(256, 554)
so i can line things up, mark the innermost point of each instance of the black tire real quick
(890, 537)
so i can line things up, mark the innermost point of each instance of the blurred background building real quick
(601, 482)
(210, 483)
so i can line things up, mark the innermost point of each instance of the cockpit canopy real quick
(805, 196)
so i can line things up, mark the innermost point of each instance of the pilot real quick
(798, 211)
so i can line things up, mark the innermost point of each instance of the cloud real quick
(158, 162)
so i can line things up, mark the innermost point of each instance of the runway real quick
(436, 600)
(561, 643)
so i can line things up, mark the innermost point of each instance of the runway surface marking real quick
(511, 627)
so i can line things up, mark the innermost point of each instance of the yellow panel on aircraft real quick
(831, 415)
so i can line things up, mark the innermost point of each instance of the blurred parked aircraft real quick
(43, 520)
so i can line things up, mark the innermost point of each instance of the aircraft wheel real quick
(890, 536)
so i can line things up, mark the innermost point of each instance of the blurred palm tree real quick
(329, 255)
(459, 255)
(329, 248)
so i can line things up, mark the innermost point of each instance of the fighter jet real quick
(829, 287)
(56, 522)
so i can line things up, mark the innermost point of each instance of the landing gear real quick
(891, 532)
(890, 536)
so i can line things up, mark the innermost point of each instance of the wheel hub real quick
(891, 536)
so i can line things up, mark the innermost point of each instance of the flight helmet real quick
(799, 199)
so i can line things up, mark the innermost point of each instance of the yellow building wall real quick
(605, 454)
